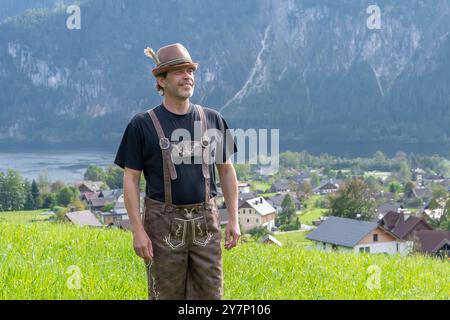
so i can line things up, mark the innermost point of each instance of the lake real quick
(68, 166)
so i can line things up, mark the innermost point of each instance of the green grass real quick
(259, 185)
(293, 238)
(311, 213)
(36, 259)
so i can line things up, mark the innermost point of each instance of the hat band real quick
(175, 61)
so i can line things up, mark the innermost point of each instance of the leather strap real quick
(168, 167)
(205, 166)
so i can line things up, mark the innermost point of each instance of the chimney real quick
(261, 200)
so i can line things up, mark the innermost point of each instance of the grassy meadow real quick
(44, 260)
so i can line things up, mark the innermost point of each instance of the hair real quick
(158, 87)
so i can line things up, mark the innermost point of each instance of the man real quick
(179, 235)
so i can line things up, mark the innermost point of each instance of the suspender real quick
(169, 170)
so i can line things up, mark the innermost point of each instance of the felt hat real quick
(170, 57)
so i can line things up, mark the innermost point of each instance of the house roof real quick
(342, 231)
(432, 240)
(100, 202)
(422, 193)
(90, 195)
(260, 205)
(115, 193)
(269, 238)
(278, 199)
(243, 197)
(388, 206)
(280, 185)
(91, 185)
(331, 183)
(83, 218)
(400, 224)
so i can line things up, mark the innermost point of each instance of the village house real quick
(417, 175)
(276, 201)
(435, 208)
(350, 235)
(114, 193)
(256, 213)
(403, 224)
(269, 239)
(386, 207)
(280, 186)
(97, 204)
(244, 187)
(246, 196)
(89, 186)
(434, 243)
(83, 218)
(327, 187)
(87, 196)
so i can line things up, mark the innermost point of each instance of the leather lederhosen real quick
(187, 256)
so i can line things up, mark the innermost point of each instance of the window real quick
(375, 237)
(364, 249)
(248, 220)
(257, 220)
(243, 211)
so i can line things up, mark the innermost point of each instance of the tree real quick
(49, 200)
(373, 184)
(35, 194)
(404, 173)
(13, 191)
(242, 171)
(43, 182)
(114, 177)
(352, 199)
(29, 201)
(379, 157)
(409, 188)
(305, 187)
(66, 196)
(439, 191)
(57, 186)
(94, 173)
(315, 180)
(395, 187)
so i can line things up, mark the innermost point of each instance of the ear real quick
(161, 81)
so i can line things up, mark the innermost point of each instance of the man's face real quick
(179, 83)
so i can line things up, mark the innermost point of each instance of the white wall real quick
(386, 247)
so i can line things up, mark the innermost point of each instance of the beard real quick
(180, 91)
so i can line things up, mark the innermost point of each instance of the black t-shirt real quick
(140, 150)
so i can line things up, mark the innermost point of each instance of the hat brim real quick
(157, 71)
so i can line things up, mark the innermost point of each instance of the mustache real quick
(189, 83)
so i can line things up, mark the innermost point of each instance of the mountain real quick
(311, 68)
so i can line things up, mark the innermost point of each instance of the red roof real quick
(432, 240)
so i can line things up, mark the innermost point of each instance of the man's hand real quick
(143, 245)
(232, 235)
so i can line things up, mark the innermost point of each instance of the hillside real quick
(41, 260)
(311, 68)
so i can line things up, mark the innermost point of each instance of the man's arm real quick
(229, 184)
(141, 242)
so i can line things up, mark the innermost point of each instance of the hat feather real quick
(151, 54)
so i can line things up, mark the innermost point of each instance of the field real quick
(44, 260)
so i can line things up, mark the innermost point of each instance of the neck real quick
(176, 106)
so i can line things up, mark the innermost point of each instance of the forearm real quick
(229, 183)
(132, 203)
